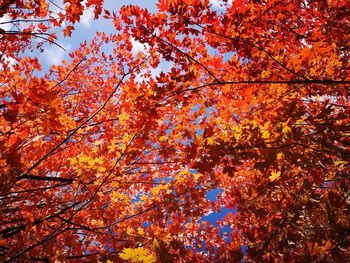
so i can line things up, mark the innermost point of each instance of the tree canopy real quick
(108, 157)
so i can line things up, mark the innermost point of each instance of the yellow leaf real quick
(84, 158)
(140, 254)
(117, 197)
(130, 231)
(123, 118)
(113, 145)
(99, 160)
(340, 163)
(143, 197)
(73, 161)
(98, 142)
(140, 231)
(274, 175)
(162, 138)
(280, 156)
(265, 74)
(197, 176)
(158, 188)
(91, 162)
(123, 147)
(155, 243)
(286, 129)
(101, 169)
(265, 134)
(127, 254)
(238, 133)
(115, 184)
(211, 140)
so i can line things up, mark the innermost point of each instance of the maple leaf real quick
(274, 176)
(139, 254)
(162, 138)
(123, 118)
(265, 134)
(67, 32)
(286, 129)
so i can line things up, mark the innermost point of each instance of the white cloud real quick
(10, 61)
(137, 47)
(87, 18)
(220, 3)
(5, 26)
(53, 55)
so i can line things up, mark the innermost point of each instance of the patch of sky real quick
(226, 232)
(244, 61)
(85, 30)
(186, 142)
(48, 138)
(105, 206)
(199, 132)
(220, 6)
(244, 249)
(95, 136)
(156, 146)
(133, 169)
(209, 111)
(212, 194)
(228, 56)
(168, 131)
(212, 51)
(145, 224)
(195, 108)
(193, 171)
(159, 180)
(213, 217)
(116, 5)
(137, 198)
(6, 99)
(167, 122)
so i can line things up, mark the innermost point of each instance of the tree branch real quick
(44, 178)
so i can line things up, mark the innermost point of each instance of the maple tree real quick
(103, 160)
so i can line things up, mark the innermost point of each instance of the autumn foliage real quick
(104, 158)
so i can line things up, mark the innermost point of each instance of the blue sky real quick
(85, 30)
(87, 27)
